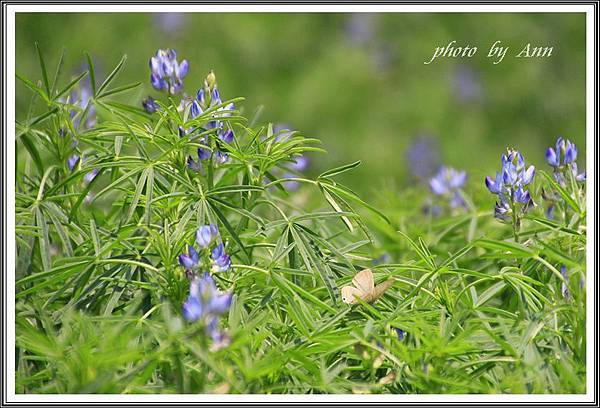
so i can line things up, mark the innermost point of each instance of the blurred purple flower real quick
(73, 161)
(206, 303)
(466, 85)
(169, 22)
(360, 28)
(81, 97)
(448, 183)
(423, 157)
(89, 177)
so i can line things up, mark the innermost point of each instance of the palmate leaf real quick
(112, 75)
(313, 262)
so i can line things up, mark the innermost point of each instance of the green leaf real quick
(92, 71)
(112, 75)
(231, 231)
(33, 152)
(44, 241)
(505, 248)
(33, 87)
(84, 193)
(43, 69)
(339, 170)
(70, 85)
(119, 89)
(42, 117)
(57, 73)
(563, 193)
(141, 182)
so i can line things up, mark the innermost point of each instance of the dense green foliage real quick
(99, 289)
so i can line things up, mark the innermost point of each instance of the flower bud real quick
(211, 79)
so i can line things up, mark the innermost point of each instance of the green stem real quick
(515, 219)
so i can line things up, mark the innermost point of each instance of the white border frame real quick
(12, 397)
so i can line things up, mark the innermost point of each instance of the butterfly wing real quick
(380, 289)
(364, 281)
(350, 295)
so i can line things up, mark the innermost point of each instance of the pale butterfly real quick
(364, 288)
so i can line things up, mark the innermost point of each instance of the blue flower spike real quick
(205, 303)
(166, 73)
(509, 184)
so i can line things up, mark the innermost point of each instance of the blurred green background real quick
(355, 81)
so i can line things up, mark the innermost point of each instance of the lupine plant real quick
(510, 185)
(172, 245)
(563, 158)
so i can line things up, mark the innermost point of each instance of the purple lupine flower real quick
(205, 302)
(195, 109)
(423, 157)
(400, 333)
(166, 72)
(191, 260)
(502, 210)
(206, 234)
(563, 153)
(90, 176)
(203, 154)
(225, 135)
(220, 259)
(580, 177)
(150, 105)
(221, 157)
(73, 161)
(509, 185)
(448, 182)
(563, 156)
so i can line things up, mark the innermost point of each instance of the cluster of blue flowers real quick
(562, 157)
(166, 73)
(510, 184)
(448, 183)
(208, 97)
(204, 302)
(220, 261)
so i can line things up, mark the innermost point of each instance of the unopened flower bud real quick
(211, 79)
